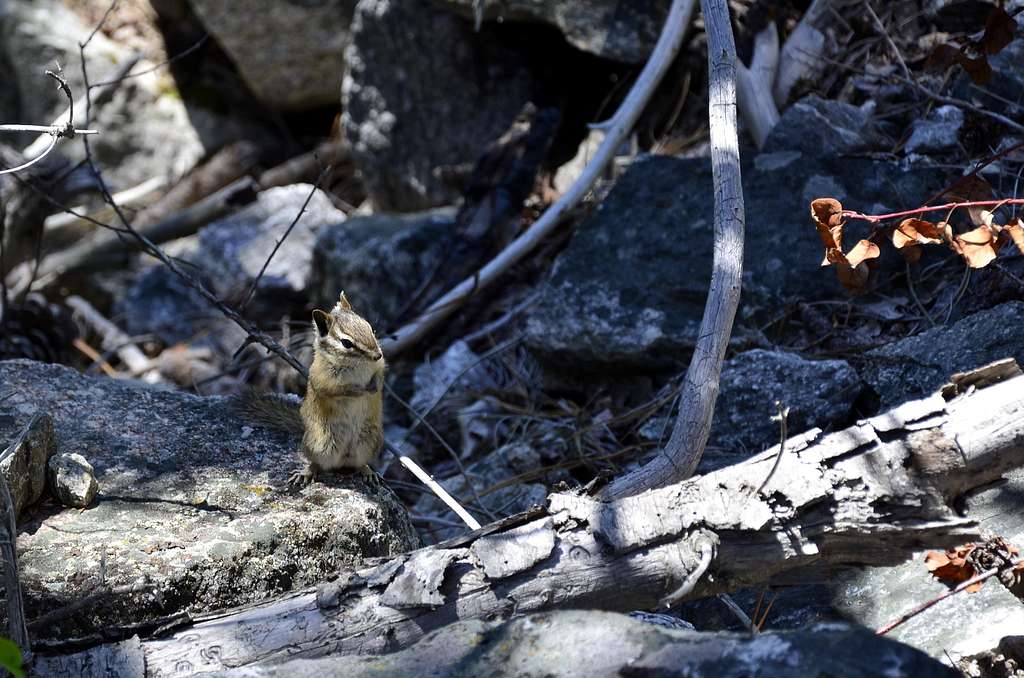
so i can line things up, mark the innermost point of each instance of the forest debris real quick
(505, 554)
(993, 373)
(419, 581)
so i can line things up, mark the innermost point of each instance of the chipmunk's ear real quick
(343, 303)
(322, 323)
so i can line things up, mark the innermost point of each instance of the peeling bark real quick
(869, 494)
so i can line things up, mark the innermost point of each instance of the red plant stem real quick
(875, 218)
(963, 585)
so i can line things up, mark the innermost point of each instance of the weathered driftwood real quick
(679, 458)
(868, 494)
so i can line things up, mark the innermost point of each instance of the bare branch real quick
(680, 457)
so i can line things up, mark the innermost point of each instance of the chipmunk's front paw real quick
(301, 478)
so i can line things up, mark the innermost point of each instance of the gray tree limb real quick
(679, 458)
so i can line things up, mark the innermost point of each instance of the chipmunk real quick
(341, 418)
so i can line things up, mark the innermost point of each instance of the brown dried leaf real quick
(979, 247)
(862, 251)
(916, 231)
(999, 31)
(1016, 232)
(827, 214)
(952, 567)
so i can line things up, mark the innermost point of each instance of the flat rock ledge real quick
(189, 516)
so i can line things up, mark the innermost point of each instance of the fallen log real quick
(869, 494)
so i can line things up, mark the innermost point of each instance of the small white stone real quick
(72, 479)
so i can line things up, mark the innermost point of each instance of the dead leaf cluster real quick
(979, 247)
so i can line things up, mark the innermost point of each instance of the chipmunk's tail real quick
(265, 408)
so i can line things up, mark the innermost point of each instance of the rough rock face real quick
(817, 393)
(228, 256)
(379, 261)
(920, 364)
(815, 126)
(135, 124)
(589, 643)
(25, 469)
(189, 515)
(623, 31)
(628, 292)
(291, 54)
(424, 94)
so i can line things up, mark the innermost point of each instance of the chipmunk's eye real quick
(347, 344)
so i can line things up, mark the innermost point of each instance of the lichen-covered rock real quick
(72, 479)
(593, 643)
(628, 292)
(291, 54)
(191, 514)
(25, 469)
(920, 364)
(817, 393)
(623, 31)
(379, 261)
(424, 94)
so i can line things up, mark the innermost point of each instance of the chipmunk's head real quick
(344, 338)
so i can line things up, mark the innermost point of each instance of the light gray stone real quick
(937, 133)
(72, 479)
(25, 468)
(227, 256)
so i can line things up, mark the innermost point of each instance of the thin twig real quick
(782, 414)
(952, 592)
(442, 494)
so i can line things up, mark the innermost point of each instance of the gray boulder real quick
(874, 596)
(290, 54)
(190, 515)
(628, 292)
(379, 261)
(591, 643)
(423, 95)
(621, 31)
(817, 392)
(135, 124)
(816, 126)
(920, 364)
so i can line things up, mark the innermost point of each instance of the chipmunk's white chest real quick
(346, 428)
